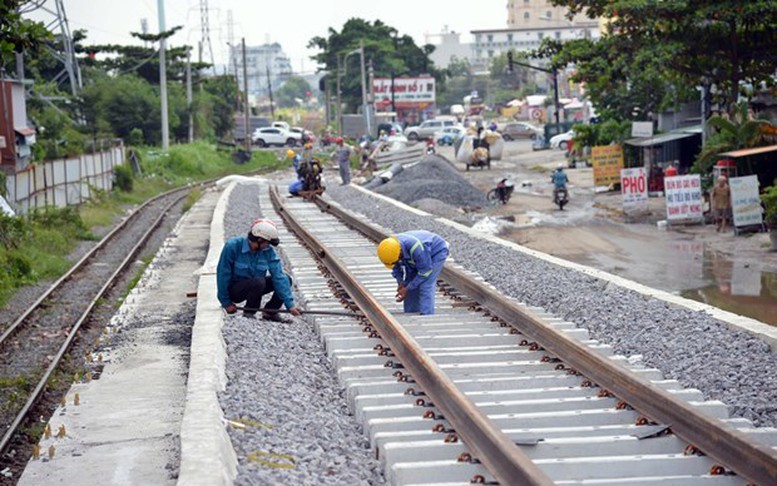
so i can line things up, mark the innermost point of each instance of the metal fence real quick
(63, 182)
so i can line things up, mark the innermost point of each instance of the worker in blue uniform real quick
(416, 259)
(241, 274)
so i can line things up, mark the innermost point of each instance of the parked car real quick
(427, 129)
(305, 135)
(562, 140)
(268, 136)
(449, 135)
(515, 130)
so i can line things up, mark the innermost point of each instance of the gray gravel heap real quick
(280, 378)
(433, 178)
(692, 347)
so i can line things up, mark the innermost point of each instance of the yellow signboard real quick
(607, 161)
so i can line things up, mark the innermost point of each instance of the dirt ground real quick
(593, 230)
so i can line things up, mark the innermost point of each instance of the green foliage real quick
(737, 132)
(295, 88)
(135, 137)
(123, 177)
(723, 42)
(769, 199)
(223, 96)
(390, 54)
(18, 34)
(606, 133)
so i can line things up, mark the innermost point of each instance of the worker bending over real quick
(242, 271)
(416, 259)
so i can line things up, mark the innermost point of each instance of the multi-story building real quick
(263, 61)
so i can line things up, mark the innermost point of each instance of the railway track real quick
(33, 347)
(488, 390)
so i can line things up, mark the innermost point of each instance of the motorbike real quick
(561, 197)
(501, 193)
(430, 150)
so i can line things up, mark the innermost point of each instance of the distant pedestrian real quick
(721, 203)
(416, 259)
(342, 155)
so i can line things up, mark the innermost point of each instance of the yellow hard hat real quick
(290, 154)
(389, 251)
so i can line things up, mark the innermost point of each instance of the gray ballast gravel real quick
(280, 379)
(692, 347)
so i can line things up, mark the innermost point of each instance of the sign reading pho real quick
(634, 188)
(607, 161)
(745, 203)
(683, 197)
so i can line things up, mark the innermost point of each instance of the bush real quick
(769, 200)
(122, 176)
(135, 137)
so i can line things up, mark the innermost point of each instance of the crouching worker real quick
(416, 259)
(242, 271)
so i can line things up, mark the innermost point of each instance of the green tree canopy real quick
(390, 54)
(293, 89)
(18, 34)
(722, 42)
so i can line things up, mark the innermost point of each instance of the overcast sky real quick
(290, 23)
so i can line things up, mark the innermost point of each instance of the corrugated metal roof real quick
(658, 139)
(751, 151)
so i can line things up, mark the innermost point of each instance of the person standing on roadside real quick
(415, 259)
(342, 155)
(721, 203)
(241, 274)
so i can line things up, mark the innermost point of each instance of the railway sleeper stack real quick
(574, 431)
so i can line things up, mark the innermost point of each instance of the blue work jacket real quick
(238, 262)
(419, 250)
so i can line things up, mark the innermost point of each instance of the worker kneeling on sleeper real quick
(416, 259)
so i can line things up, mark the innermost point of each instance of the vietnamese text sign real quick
(413, 90)
(634, 188)
(608, 162)
(745, 203)
(683, 197)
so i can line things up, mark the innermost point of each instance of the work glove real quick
(295, 312)
(230, 309)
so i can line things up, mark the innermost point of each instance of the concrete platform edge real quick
(207, 455)
(763, 331)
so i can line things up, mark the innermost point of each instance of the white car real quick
(427, 129)
(267, 136)
(449, 135)
(562, 140)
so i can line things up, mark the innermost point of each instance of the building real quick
(263, 61)
(448, 48)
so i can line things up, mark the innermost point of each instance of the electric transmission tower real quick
(204, 25)
(56, 22)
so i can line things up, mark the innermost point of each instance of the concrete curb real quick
(207, 455)
(763, 331)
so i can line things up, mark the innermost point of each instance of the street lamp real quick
(340, 74)
(552, 71)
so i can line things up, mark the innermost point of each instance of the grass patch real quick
(541, 169)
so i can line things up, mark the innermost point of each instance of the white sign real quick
(412, 90)
(641, 129)
(634, 188)
(745, 203)
(2, 142)
(683, 197)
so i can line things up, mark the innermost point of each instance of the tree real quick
(390, 54)
(295, 88)
(723, 42)
(18, 34)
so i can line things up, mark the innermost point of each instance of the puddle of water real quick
(737, 288)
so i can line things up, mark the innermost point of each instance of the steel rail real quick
(494, 449)
(753, 461)
(41, 386)
(80, 263)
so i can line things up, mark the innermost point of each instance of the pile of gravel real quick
(298, 418)
(692, 347)
(433, 177)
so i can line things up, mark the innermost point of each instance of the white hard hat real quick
(508, 183)
(560, 165)
(266, 230)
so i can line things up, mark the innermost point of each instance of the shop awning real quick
(747, 152)
(658, 139)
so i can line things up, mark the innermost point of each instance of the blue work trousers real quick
(421, 299)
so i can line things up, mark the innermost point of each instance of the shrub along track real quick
(44, 348)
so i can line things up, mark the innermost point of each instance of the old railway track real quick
(34, 346)
(490, 390)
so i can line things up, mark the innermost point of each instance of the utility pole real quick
(163, 77)
(246, 120)
(338, 107)
(552, 71)
(269, 89)
(189, 94)
(365, 106)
